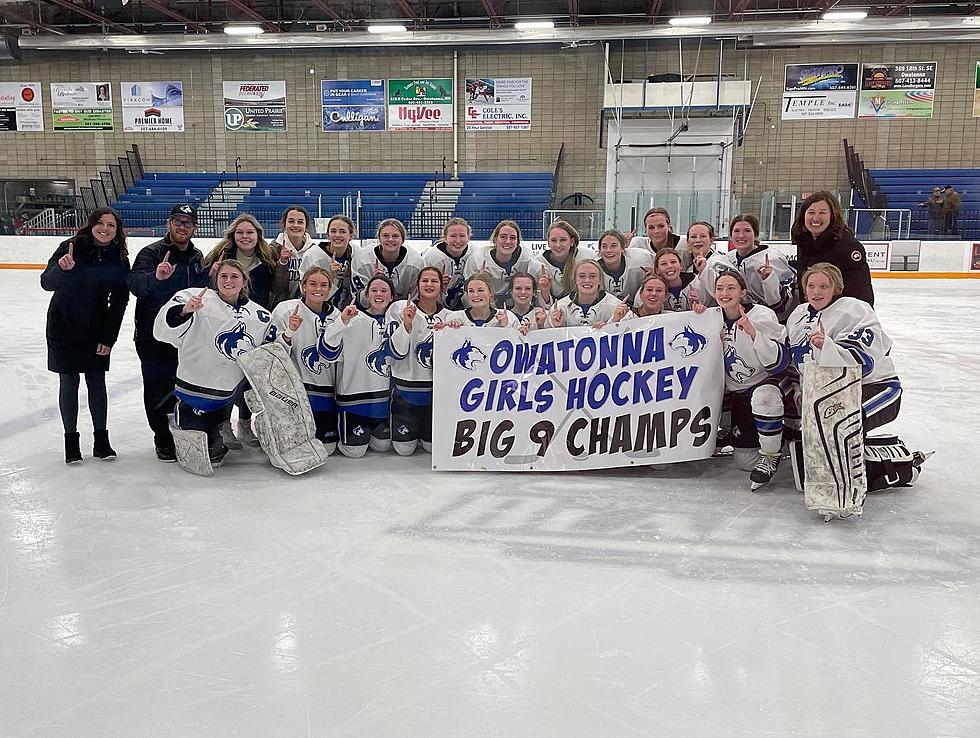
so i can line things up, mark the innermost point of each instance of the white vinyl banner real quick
(644, 391)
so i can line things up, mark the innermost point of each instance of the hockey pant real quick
(410, 425)
(282, 415)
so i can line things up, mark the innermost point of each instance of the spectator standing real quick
(951, 211)
(935, 203)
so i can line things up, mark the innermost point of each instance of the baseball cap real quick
(185, 209)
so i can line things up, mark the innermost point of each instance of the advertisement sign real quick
(152, 107)
(878, 255)
(975, 260)
(255, 107)
(645, 391)
(498, 104)
(819, 91)
(81, 106)
(353, 104)
(420, 104)
(897, 90)
(20, 106)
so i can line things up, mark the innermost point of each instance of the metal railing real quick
(880, 223)
(589, 223)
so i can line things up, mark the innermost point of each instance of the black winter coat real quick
(151, 293)
(845, 252)
(87, 306)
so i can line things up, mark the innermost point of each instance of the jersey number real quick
(864, 335)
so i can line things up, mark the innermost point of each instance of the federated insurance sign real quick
(255, 106)
(645, 391)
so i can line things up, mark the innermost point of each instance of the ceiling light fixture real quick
(534, 25)
(845, 15)
(242, 30)
(387, 28)
(690, 20)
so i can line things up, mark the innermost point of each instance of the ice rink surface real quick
(379, 598)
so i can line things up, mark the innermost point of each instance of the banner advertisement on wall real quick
(255, 107)
(81, 106)
(819, 91)
(897, 90)
(877, 254)
(353, 104)
(498, 104)
(20, 106)
(645, 391)
(152, 107)
(420, 104)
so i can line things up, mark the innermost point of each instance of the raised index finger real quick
(166, 258)
(296, 311)
(202, 293)
(71, 249)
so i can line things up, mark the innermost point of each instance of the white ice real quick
(378, 598)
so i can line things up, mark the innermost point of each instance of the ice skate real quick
(764, 470)
(723, 443)
(228, 437)
(245, 433)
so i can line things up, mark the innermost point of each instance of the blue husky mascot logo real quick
(423, 352)
(377, 361)
(735, 366)
(800, 352)
(688, 341)
(311, 357)
(468, 356)
(235, 342)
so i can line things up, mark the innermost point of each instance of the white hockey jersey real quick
(714, 265)
(643, 243)
(363, 375)
(749, 361)
(600, 311)
(411, 353)
(403, 273)
(295, 261)
(625, 282)
(437, 256)
(779, 290)
(466, 318)
(316, 369)
(319, 256)
(500, 274)
(544, 262)
(209, 343)
(679, 298)
(852, 331)
(529, 318)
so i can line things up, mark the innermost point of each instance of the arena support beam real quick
(247, 10)
(93, 15)
(166, 10)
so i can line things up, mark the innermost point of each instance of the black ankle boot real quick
(102, 449)
(73, 452)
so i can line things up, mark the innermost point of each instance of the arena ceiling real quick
(50, 24)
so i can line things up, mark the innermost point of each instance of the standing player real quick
(391, 259)
(449, 255)
(623, 269)
(554, 268)
(682, 287)
(501, 261)
(293, 242)
(87, 276)
(656, 223)
(302, 323)
(588, 304)
(481, 311)
(363, 385)
(771, 280)
(705, 261)
(409, 346)
(335, 254)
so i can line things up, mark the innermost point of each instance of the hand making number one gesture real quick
(195, 303)
(67, 262)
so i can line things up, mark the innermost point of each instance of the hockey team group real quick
(254, 323)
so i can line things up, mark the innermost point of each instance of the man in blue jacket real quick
(160, 271)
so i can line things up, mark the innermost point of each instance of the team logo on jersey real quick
(468, 356)
(856, 256)
(263, 316)
(800, 352)
(688, 341)
(235, 342)
(377, 361)
(423, 352)
(735, 366)
(311, 357)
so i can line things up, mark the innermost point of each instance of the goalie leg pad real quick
(283, 418)
(889, 463)
(192, 450)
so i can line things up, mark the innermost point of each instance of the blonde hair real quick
(618, 235)
(454, 222)
(598, 266)
(317, 270)
(486, 279)
(508, 224)
(262, 247)
(246, 280)
(392, 222)
(568, 270)
(830, 271)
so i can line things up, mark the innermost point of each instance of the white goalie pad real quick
(833, 441)
(192, 450)
(283, 418)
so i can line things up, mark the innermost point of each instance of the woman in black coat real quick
(821, 235)
(87, 275)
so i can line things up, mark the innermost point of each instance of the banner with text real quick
(353, 105)
(152, 107)
(498, 104)
(897, 90)
(255, 107)
(420, 104)
(20, 106)
(819, 91)
(645, 391)
(81, 106)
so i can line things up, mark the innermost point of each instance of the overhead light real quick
(845, 15)
(243, 30)
(534, 25)
(387, 28)
(690, 20)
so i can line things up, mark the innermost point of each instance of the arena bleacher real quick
(908, 188)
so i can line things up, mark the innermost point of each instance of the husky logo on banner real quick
(235, 342)
(688, 341)
(468, 356)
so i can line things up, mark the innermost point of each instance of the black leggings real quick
(98, 403)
